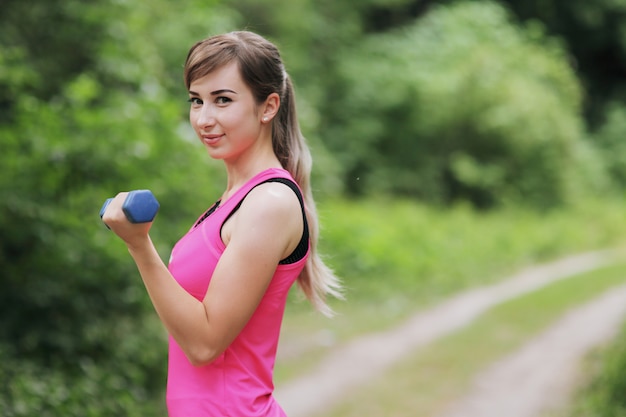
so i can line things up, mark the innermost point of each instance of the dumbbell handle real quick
(140, 206)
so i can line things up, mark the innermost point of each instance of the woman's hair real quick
(263, 72)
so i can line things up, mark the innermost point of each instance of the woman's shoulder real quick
(270, 174)
(272, 198)
(270, 215)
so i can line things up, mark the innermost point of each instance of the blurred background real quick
(453, 142)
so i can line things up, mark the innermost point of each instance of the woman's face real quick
(224, 113)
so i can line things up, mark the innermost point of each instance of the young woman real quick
(223, 294)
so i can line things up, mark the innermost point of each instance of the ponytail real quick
(317, 280)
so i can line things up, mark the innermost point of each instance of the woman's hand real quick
(133, 234)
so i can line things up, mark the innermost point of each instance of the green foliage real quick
(424, 253)
(105, 116)
(603, 396)
(610, 140)
(126, 381)
(464, 105)
(33, 32)
(594, 34)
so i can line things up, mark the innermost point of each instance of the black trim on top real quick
(303, 246)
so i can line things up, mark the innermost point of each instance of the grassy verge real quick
(433, 376)
(604, 395)
(398, 257)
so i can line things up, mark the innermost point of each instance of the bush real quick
(123, 383)
(610, 141)
(393, 248)
(464, 105)
(74, 338)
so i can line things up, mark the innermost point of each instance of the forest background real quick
(463, 115)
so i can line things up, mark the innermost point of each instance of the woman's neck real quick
(239, 175)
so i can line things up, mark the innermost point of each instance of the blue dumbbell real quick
(140, 206)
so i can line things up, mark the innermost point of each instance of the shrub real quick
(464, 105)
(610, 141)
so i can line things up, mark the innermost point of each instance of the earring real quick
(265, 120)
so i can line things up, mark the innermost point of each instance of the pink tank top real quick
(239, 383)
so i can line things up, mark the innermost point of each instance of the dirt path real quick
(360, 360)
(538, 378)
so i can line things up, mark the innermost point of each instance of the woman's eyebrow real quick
(222, 91)
(214, 93)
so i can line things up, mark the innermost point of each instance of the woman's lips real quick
(211, 139)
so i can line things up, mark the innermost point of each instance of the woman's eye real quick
(222, 100)
(195, 101)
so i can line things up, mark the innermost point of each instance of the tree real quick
(90, 107)
(593, 32)
(463, 105)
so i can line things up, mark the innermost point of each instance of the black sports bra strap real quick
(303, 246)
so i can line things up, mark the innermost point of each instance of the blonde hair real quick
(263, 72)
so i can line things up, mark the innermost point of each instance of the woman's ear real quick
(270, 108)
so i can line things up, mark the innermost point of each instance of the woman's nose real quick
(206, 117)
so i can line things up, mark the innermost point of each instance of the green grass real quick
(402, 247)
(422, 384)
(400, 256)
(603, 395)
